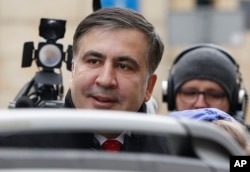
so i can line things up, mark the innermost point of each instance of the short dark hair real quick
(122, 18)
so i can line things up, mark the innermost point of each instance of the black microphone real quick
(24, 102)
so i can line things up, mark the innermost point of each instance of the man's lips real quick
(104, 98)
(103, 101)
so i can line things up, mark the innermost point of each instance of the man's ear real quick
(150, 87)
(72, 72)
(72, 66)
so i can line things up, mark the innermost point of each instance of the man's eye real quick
(94, 61)
(123, 67)
(215, 94)
(189, 93)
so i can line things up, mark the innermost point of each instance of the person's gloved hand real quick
(206, 114)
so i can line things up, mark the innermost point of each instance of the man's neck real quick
(109, 135)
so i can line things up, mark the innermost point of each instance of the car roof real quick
(212, 147)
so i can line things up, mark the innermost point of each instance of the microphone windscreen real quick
(24, 102)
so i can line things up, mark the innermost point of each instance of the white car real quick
(210, 147)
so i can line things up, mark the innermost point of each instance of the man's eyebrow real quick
(93, 53)
(128, 59)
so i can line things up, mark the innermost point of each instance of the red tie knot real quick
(112, 145)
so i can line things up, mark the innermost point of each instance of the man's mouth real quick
(104, 98)
(104, 102)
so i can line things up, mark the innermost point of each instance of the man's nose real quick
(200, 102)
(106, 76)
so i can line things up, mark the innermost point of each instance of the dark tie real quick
(112, 145)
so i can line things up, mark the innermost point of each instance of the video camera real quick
(45, 89)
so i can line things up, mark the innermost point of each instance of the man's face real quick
(195, 94)
(110, 71)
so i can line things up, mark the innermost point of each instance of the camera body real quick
(45, 89)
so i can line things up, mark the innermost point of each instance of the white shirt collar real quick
(102, 139)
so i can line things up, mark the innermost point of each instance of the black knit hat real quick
(206, 63)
